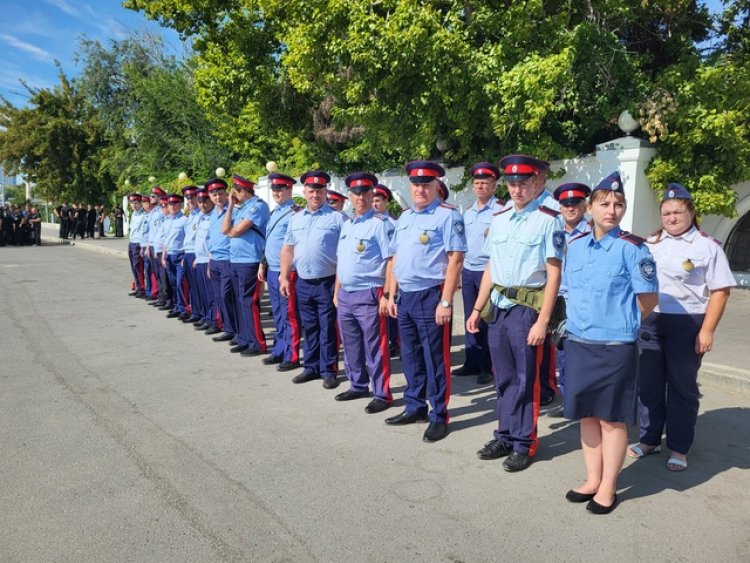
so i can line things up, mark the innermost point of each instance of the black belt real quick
(317, 280)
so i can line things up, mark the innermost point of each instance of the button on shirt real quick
(201, 238)
(136, 226)
(603, 278)
(519, 244)
(689, 267)
(276, 233)
(218, 244)
(366, 242)
(477, 223)
(315, 237)
(174, 233)
(188, 244)
(423, 240)
(248, 247)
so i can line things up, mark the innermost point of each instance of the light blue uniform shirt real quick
(175, 232)
(315, 237)
(366, 242)
(161, 233)
(547, 200)
(603, 278)
(477, 222)
(188, 245)
(218, 244)
(276, 229)
(519, 244)
(155, 218)
(421, 261)
(201, 238)
(135, 232)
(248, 248)
(581, 228)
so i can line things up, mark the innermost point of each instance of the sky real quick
(35, 33)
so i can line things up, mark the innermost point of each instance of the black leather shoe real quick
(330, 382)
(305, 376)
(376, 405)
(150, 298)
(516, 462)
(157, 303)
(197, 321)
(485, 378)
(201, 326)
(250, 352)
(272, 360)
(233, 342)
(350, 395)
(238, 349)
(463, 370)
(140, 294)
(575, 496)
(185, 317)
(406, 417)
(165, 308)
(222, 337)
(287, 366)
(435, 432)
(394, 351)
(595, 508)
(212, 330)
(132, 294)
(556, 412)
(173, 314)
(544, 401)
(494, 449)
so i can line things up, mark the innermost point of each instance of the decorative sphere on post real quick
(627, 123)
(127, 182)
(271, 166)
(152, 179)
(182, 176)
(220, 172)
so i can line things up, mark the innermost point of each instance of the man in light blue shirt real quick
(188, 245)
(206, 304)
(245, 226)
(173, 253)
(134, 246)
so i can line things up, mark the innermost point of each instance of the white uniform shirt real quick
(689, 267)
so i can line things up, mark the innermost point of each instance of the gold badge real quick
(361, 247)
(688, 266)
(424, 238)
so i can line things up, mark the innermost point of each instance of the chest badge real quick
(424, 238)
(688, 266)
(361, 246)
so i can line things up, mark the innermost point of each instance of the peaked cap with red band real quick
(133, 198)
(383, 191)
(517, 167)
(442, 190)
(571, 193)
(332, 194)
(174, 198)
(281, 181)
(243, 183)
(201, 194)
(215, 184)
(157, 191)
(316, 178)
(423, 171)
(189, 191)
(485, 170)
(360, 182)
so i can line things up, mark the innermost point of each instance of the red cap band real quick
(485, 172)
(520, 169)
(424, 172)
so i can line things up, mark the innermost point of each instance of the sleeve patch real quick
(459, 227)
(647, 267)
(558, 240)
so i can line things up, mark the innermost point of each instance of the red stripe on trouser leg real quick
(384, 351)
(186, 295)
(217, 316)
(255, 312)
(447, 364)
(535, 400)
(139, 269)
(154, 285)
(292, 316)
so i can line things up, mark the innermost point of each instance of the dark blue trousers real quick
(476, 348)
(136, 264)
(147, 273)
(318, 315)
(166, 291)
(221, 283)
(516, 368)
(153, 259)
(207, 306)
(285, 312)
(548, 387)
(247, 306)
(192, 281)
(668, 392)
(176, 274)
(425, 353)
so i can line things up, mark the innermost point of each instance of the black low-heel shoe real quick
(595, 508)
(575, 496)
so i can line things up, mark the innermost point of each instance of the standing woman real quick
(611, 282)
(694, 285)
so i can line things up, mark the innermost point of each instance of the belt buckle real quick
(512, 293)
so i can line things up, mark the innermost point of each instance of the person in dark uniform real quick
(611, 282)
(119, 218)
(477, 219)
(381, 197)
(429, 248)
(101, 215)
(364, 250)
(90, 221)
(694, 285)
(519, 288)
(310, 246)
(285, 311)
(35, 224)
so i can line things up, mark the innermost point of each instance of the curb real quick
(728, 378)
(87, 246)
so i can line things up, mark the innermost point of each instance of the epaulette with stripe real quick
(502, 211)
(582, 235)
(499, 201)
(547, 211)
(710, 237)
(447, 205)
(296, 208)
(630, 237)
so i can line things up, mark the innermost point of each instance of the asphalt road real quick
(130, 437)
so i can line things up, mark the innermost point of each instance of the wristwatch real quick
(446, 304)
